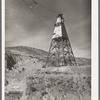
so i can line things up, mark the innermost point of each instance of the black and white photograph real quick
(47, 50)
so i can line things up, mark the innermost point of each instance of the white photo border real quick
(94, 49)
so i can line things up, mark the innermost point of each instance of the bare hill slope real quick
(23, 62)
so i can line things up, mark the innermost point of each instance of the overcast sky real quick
(34, 26)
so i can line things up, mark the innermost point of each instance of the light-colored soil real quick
(63, 83)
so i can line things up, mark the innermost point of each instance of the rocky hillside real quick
(22, 59)
(58, 88)
(15, 54)
(23, 62)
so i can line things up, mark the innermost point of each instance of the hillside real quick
(39, 54)
(22, 62)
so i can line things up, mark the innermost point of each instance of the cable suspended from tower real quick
(30, 8)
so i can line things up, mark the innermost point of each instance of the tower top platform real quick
(60, 15)
(60, 30)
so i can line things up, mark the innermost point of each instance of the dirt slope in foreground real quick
(24, 62)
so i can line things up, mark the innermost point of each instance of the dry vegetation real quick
(59, 88)
(24, 73)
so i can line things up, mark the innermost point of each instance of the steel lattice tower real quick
(60, 52)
